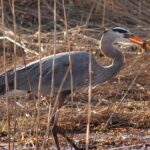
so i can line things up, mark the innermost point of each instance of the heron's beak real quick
(139, 41)
(136, 40)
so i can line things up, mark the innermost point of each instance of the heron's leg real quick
(58, 104)
(55, 129)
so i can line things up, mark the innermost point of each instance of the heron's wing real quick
(10, 74)
(30, 75)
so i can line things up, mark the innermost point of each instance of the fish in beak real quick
(139, 41)
(146, 45)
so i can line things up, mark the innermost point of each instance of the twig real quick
(89, 102)
(129, 88)
(15, 73)
(40, 71)
(70, 61)
(6, 79)
(18, 44)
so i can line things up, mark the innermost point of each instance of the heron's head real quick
(124, 36)
(118, 35)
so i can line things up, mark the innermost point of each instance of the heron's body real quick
(28, 77)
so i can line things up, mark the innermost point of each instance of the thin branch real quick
(90, 14)
(54, 52)
(70, 61)
(15, 74)
(104, 13)
(40, 70)
(89, 102)
(6, 79)
(122, 99)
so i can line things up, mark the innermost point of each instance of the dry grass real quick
(84, 20)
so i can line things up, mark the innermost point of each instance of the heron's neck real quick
(108, 72)
(114, 68)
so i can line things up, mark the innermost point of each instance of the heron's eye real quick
(127, 35)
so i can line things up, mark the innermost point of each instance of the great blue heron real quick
(28, 77)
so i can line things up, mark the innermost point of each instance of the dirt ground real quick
(120, 115)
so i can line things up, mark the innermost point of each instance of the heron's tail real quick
(10, 79)
(2, 85)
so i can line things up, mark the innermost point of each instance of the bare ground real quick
(120, 115)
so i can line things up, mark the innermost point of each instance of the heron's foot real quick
(92, 145)
(83, 148)
(72, 143)
(80, 148)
